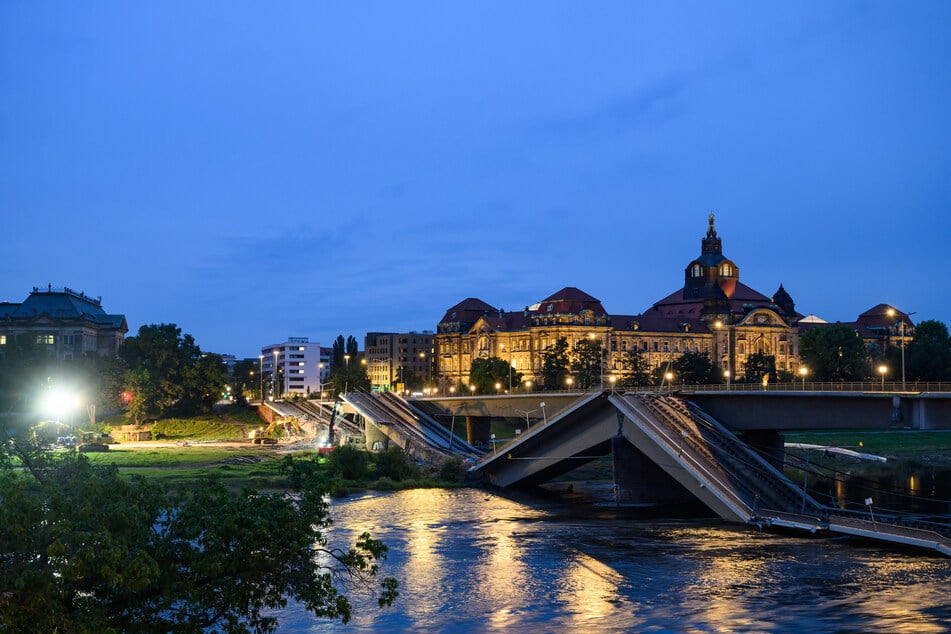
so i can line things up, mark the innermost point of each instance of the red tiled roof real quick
(467, 311)
(570, 301)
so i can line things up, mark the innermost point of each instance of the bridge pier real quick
(375, 438)
(639, 481)
(478, 429)
(769, 444)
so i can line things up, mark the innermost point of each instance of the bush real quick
(348, 462)
(395, 464)
(453, 469)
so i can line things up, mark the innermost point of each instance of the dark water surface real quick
(468, 560)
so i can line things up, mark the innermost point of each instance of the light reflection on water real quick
(468, 560)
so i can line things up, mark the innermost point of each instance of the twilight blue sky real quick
(254, 171)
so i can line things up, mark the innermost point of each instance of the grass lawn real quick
(905, 446)
(237, 467)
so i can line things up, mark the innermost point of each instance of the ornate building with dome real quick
(712, 313)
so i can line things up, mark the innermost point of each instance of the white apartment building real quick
(291, 368)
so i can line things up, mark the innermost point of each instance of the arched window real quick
(726, 270)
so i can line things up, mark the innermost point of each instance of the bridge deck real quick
(697, 452)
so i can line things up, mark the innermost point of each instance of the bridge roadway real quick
(387, 419)
(667, 449)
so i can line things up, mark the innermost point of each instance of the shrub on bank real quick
(395, 465)
(348, 462)
(453, 469)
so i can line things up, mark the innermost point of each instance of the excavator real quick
(93, 441)
(268, 435)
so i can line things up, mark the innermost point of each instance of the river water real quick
(473, 561)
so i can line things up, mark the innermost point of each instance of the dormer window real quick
(726, 270)
(696, 271)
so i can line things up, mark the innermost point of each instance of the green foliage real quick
(84, 550)
(555, 365)
(246, 381)
(833, 352)
(347, 374)
(393, 463)
(693, 368)
(196, 428)
(585, 364)
(453, 469)
(758, 365)
(349, 462)
(169, 374)
(635, 370)
(486, 373)
(928, 356)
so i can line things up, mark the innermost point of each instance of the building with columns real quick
(65, 323)
(713, 313)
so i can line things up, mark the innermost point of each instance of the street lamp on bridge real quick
(803, 371)
(882, 369)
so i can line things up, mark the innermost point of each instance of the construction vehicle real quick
(278, 428)
(93, 441)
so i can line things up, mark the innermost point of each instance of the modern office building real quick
(291, 368)
(66, 323)
(400, 361)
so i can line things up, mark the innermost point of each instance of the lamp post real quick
(261, 375)
(498, 386)
(803, 371)
(891, 313)
(569, 381)
(276, 387)
(544, 415)
(882, 369)
(670, 382)
(528, 423)
(729, 360)
(726, 375)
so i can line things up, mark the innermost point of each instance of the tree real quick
(555, 365)
(168, 373)
(635, 370)
(245, 382)
(833, 352)
(758, 365)
(694, 367)
(486, 373)
(346, 371)
(586, 363)
(85, 550)
(928, 356)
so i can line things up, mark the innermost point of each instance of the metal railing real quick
(890, 387)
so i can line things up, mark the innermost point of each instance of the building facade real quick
(68, 324)
(713, 313)
(292, 368)
(397, 362)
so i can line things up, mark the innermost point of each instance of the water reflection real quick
(468, 560)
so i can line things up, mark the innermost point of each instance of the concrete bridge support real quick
(639, 481)
(478, 430)
(376, 439)
(768, 444)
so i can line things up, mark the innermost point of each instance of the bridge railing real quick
(890, 387)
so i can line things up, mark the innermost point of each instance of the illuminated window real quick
(45, 340)
(3, 340)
